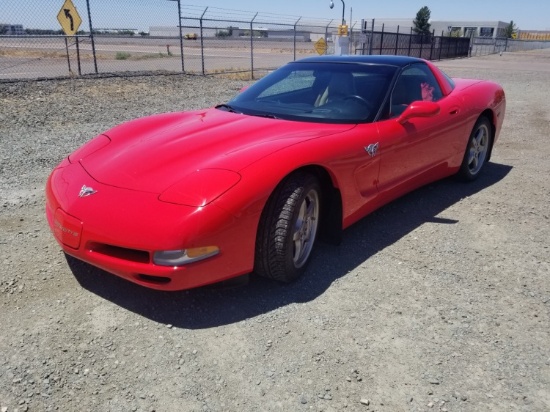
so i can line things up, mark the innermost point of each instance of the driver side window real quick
(415, 83)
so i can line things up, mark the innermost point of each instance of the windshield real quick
(318, 92)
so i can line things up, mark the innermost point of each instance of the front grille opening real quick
(157, 280)
(133, 255)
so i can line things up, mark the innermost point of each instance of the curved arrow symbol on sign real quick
(68, 15)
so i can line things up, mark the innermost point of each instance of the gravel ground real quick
(437, 302)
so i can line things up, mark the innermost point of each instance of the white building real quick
(456, 28)
(11, 29)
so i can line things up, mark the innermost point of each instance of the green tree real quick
(510, 30)
(422, 21)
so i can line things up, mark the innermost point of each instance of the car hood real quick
(153, 153)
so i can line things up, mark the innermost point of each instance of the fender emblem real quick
(371, 149)
(86, 191)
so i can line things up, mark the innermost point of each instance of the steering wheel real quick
(359, 99)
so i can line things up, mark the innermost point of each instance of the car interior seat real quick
(339, 86)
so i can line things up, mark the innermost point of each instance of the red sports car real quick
(180, 200)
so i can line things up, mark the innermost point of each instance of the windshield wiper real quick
(227, 108)
(267, 115)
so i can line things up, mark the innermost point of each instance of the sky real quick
(140, 14)
(527, 14)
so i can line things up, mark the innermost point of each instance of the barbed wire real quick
(218, 13)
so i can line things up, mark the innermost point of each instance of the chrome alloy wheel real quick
(305, 228)
(479, 147)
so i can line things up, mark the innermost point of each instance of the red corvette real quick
(179, 200)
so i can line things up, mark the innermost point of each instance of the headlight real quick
(200, 187)
(87, 149)
(184, 256)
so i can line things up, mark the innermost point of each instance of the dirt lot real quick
(438, 302)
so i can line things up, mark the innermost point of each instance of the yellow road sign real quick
(320, 46)
(342, 30)
(69, 18)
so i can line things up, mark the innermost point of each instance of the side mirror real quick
(419, 109)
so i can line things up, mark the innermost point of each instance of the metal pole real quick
(326, 31)
(252, 47)
(68, 58)
(295, 24)
(92, 35)
(371, 37)
(432, 48)
(351, 37)
(382, 38)
(396, 39)
(410, 42)
(78, 56)
(202, 40)
(181, 36)
(343, 12)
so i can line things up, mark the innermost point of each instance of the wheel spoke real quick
(478, 149)
(305, 228)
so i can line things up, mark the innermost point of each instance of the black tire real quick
(288, 228)
(477, 151)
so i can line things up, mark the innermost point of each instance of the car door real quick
(415, 151)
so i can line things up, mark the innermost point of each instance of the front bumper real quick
(118, 230)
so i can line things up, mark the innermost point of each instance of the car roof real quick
(399, 61)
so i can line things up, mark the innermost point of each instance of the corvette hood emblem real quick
(86, 191)
(371, 149)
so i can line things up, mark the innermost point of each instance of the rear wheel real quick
(477, 151)
(288, 228)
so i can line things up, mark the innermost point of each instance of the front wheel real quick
(288, 228)
(477, 152)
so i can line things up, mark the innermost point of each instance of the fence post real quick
(432, 48)
(181, 36)
(352, 38)
(371, 37)
(410, 41)
(396, 39)
(326, 30)
(326, 33)
(202, 41)
(252, 48)
(78, 56)
(382, 38)
(295, 24)
(68, 57)
(91, 35)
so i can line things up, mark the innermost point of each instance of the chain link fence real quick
(482, 46)
(117, 36)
